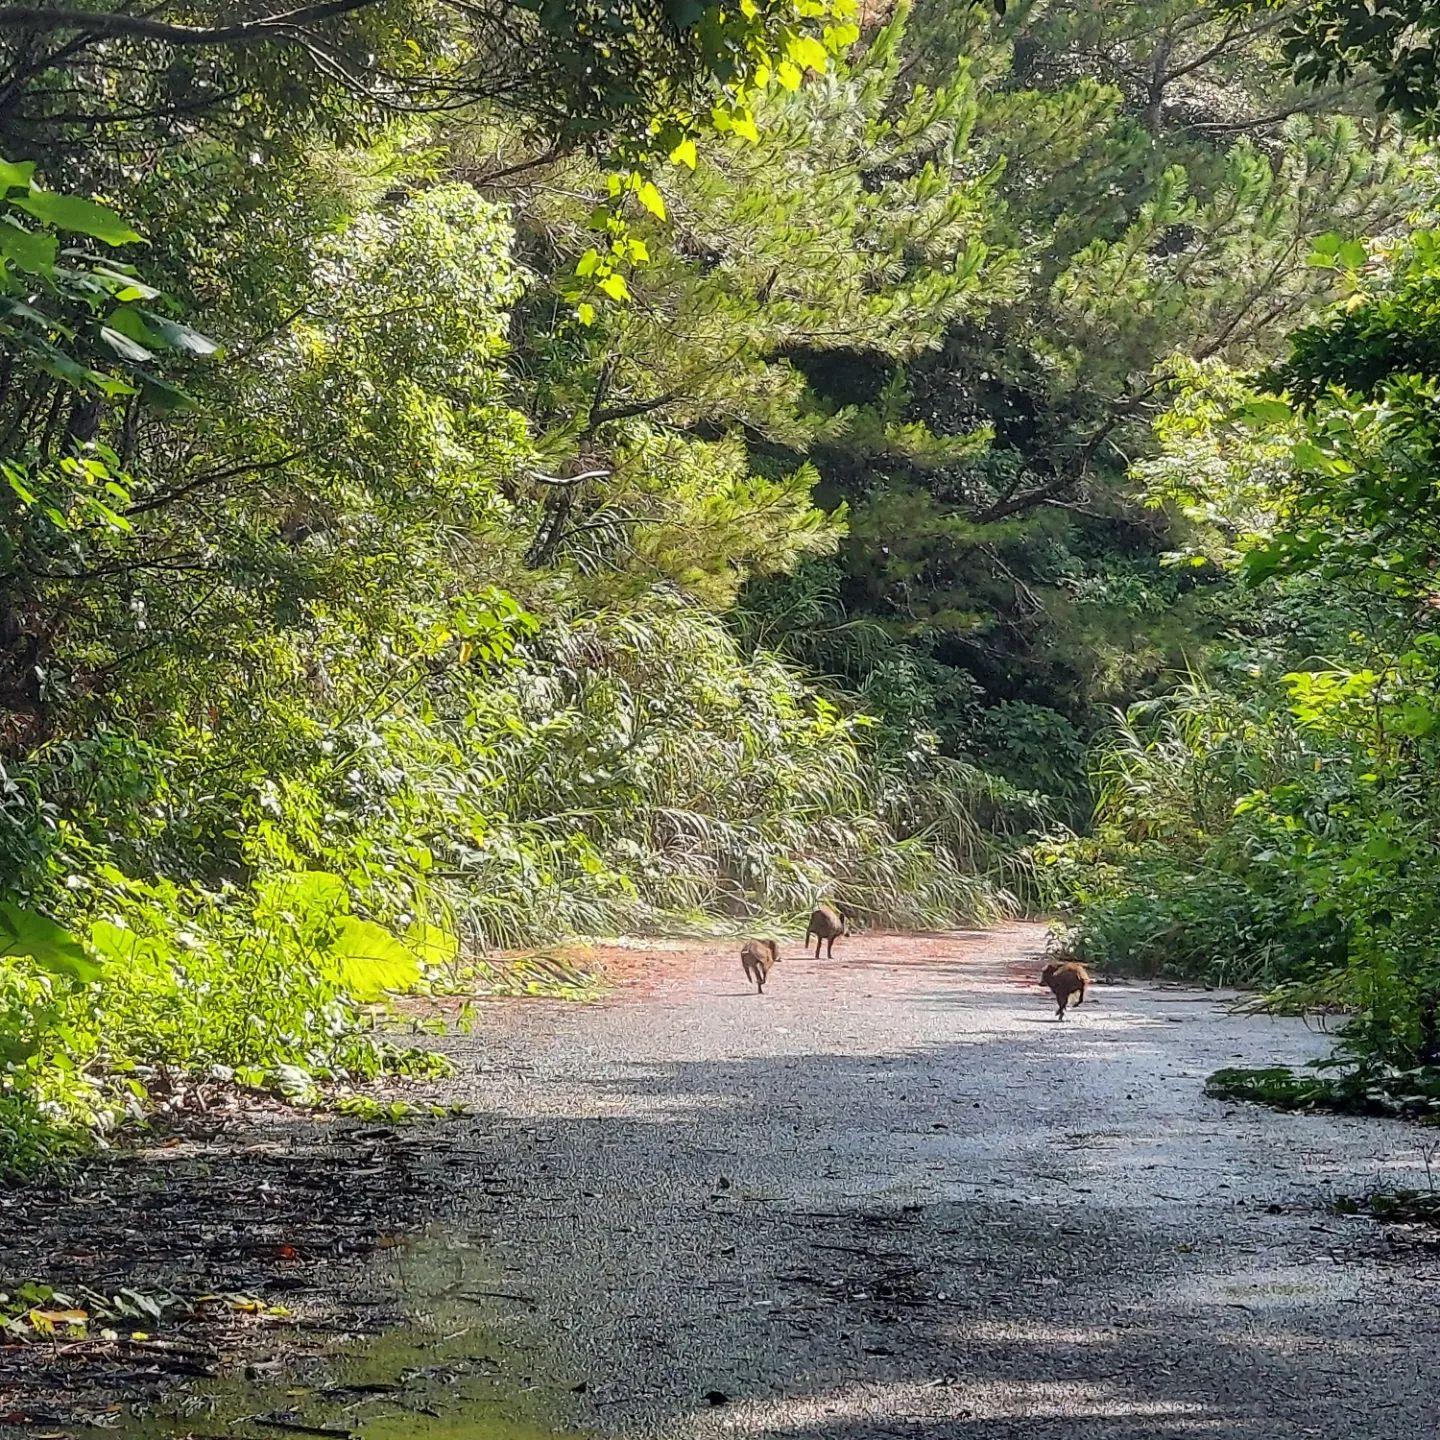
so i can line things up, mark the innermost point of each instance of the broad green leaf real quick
(1261, 563)
(587, 263)
(124, 346)
(29, 249)
(807, 52)
(132, 324)
(431, 944)
(179, 337)
(28, 935)
(651, 199)
(72, 212)
(615, 287)
(65, 367)
(1264, 410)
(1353, 255)
(21, 311)
(162, 395)
(117, 945)
(15, 479)
(742, 122)
(684, 154)
(125, 288)
(585, 313)
(16, 175)
(309, 892)
(370, 960)
(789, 75)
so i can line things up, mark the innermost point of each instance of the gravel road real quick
(893, 1197)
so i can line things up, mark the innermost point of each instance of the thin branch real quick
(1233, 32)
(175, 564)
(210, 477)
(635, 407)
(564, 481)
(266, 27)
(1313, 101)
(474, 175)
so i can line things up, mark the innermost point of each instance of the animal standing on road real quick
(1063, 979)
(827, 924)
(758, 958)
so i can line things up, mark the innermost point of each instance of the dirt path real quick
(891, 1198)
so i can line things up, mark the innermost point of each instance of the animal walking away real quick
(827, 924)
(1064, 978)
(757, 959)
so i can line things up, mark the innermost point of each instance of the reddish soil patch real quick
(640, 968)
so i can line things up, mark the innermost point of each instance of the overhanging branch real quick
(281, 25)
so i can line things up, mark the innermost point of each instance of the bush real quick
(1184, 874)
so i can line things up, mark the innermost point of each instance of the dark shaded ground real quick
(223, 1227)
(891, 1198)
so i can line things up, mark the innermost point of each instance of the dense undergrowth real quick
(1275, 826)
(1186, 870)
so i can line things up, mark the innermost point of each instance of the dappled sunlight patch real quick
(923, 1401)
(1029, 1333)
(1265, 1288)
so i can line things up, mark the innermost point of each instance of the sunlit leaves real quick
(15, 176)
(1329, 41)
(59, 306)
(745, 52)
(27, 935)
(650, 198)
(1332, 251)
(808, 53)
(76, 214)
(84, 491)
(28, 249)
(370, 961)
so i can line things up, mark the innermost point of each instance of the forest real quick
(483, 472)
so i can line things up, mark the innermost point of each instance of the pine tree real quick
(1160, 185)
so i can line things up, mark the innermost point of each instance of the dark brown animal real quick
(758, 958)
(1064, 978)
(827, 924)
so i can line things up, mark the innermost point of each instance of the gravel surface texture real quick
(893, 1196)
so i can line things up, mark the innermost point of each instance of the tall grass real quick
(617, 771)
(639, 772)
